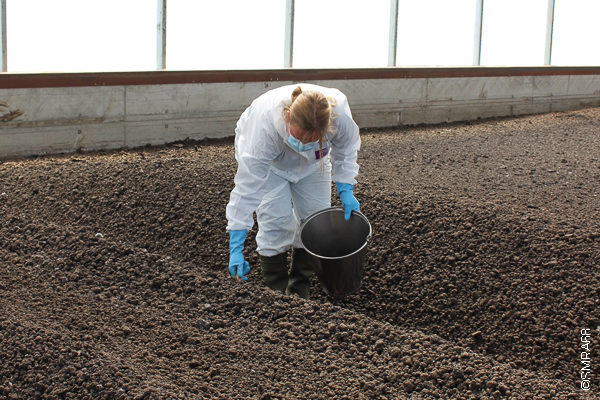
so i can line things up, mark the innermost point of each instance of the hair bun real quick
(297, 92)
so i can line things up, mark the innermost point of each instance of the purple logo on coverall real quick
(321, 153)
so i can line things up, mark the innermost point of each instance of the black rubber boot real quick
(300, 272)
(275, 272)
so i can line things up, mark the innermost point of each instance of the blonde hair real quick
(312, 112)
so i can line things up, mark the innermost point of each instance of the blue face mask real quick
(301, 147)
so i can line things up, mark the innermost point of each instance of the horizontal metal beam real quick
(39, 80)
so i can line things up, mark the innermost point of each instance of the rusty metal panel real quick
(39, 80)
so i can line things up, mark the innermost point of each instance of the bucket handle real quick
(304, 219)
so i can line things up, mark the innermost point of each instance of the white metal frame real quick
(393, 40)
(288, 52)
(161, 34)
(549, 33)
(478, 30)
(3, 58)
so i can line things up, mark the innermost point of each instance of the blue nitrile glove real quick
(349, 202)
(237, 265)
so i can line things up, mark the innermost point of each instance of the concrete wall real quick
(43, 120)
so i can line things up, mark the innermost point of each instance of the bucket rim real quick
(329, 209)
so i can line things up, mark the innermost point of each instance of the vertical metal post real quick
(478, 28)
(393, 40)
(288, 53)
(3, 66)
(161, 35)
(549, 32)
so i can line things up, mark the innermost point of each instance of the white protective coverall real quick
(272, 176)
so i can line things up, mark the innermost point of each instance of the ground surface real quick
(481, 273)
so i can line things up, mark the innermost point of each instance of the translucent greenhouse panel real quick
(341, 33)
(233, 34)
(514, 32)
(576, 40)
(76, 35)
(435, 32)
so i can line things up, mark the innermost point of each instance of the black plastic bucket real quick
(337, 248)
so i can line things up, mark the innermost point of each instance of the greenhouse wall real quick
(57, 113)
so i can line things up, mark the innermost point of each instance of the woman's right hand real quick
(348, 200)
(238, 267)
